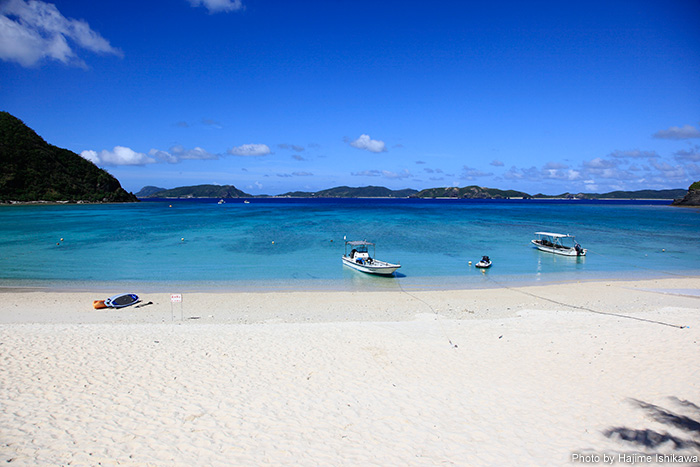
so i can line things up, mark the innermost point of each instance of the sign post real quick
(176, 298)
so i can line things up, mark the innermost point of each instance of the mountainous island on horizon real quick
(469, 192)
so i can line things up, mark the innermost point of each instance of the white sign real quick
(175, 298)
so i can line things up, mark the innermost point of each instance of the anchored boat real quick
(560, 244)
(360, 259)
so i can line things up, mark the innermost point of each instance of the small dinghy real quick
(484, 263)
(121, 300)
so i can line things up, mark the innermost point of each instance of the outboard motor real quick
(578, 249)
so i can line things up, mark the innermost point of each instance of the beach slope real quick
(517, 376)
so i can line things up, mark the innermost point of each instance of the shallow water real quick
(292, 244)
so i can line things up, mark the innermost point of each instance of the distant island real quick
(34, 171)
(469, 192)
(691, 198)
(197, 191)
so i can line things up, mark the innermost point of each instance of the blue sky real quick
(276, 96)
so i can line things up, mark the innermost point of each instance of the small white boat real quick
(560, 244)
(359, 259)
(221, 201)
(484, 263)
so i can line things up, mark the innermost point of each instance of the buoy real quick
(663, 249)
(170, 206)
(182, 239)
(470, 263)
(273, 242)
(61, 238)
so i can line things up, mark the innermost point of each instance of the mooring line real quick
(431, 309)
(583, 307)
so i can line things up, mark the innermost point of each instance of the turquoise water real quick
(291, 244)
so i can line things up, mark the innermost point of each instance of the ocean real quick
(291, 244)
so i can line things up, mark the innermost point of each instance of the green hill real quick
(147, 191)
(197, 191)
(350, 192)
(470, 192)
(639, 194)
(33, 170)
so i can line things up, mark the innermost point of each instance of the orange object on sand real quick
(97, 304)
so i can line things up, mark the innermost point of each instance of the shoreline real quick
(355, 282)
(623, 297)
(537, 375)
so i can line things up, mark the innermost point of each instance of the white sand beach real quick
(540, 375)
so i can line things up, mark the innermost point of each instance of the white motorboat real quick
(360, 259)
(560, 244)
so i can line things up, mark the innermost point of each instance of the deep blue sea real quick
(288, 244)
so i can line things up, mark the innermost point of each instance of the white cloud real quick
(178, 154)
(684, 132)
(33, 30)
(368, 144)
(120, 155)
(497, 163)
(247, 150)
(218, 6)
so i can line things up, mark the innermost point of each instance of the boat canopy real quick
(359, 243)
(361, 246)
(554, 235)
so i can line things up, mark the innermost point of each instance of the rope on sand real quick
(583, 307)
(431, 309)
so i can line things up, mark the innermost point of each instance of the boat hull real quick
(559, 251)
(377, 267)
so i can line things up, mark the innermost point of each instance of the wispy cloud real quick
(368, 144)
(684, 132)
(178, 153)
(685, 155)
(292, 147)
(120, 155)
(633, 154)
(218, 6)
(383, 173)
(295, 174)
(497, 163)
(250, 150)
(212, 123)
(31, 31)
(469, 173)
